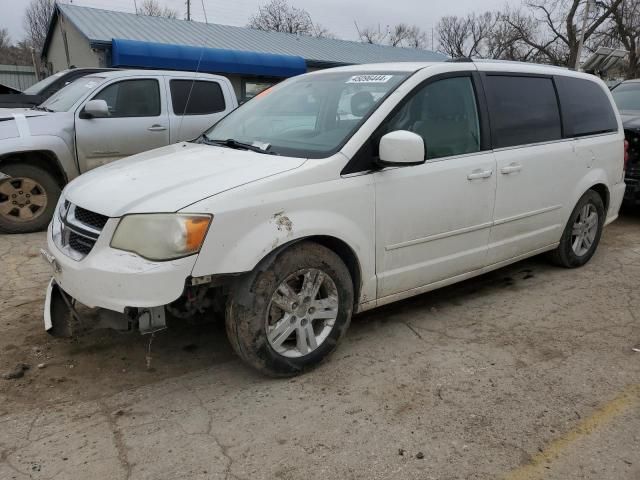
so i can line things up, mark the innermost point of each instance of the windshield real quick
(66, 97)
(37, 88)
(627, 96)
(310, 116)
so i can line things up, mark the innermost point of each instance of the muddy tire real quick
(28, 199)
(290, 313)
(582, 234)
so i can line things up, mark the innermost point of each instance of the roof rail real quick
(460, 60)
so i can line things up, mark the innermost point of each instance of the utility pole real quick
(189, 10)
(585, 17)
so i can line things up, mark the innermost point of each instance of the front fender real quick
(253, 227)
(42, 143)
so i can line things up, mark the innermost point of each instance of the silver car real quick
(95, 120)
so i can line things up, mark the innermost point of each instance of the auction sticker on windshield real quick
(370, 79)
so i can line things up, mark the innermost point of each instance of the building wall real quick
(17, 77)
(80, 53)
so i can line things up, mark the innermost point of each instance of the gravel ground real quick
(527, 372)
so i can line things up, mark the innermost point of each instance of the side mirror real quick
(401, 148)
(95, 109)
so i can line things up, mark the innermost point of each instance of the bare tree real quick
(624, 30)
(467, 36)
(279, 16)
(152, 8)
(372, 35)
(10, 54)
(36, 21)
(555, 34)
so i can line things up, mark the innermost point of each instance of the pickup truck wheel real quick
(290, 313)
(27, 199)
(582, 233)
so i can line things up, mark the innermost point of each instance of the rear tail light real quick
(626, 153)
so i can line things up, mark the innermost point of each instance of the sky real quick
(336, 15)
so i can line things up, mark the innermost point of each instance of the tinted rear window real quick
(204, 97)
(523, 110)
(586, 108)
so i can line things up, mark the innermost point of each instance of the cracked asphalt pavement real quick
(528, 372)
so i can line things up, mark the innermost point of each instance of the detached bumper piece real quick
(61, 319)
(59, 313)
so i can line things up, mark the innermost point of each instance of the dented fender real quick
(248, 227)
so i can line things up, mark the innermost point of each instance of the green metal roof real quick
(101, 26)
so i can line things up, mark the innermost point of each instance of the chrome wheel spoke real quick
(6, 188)
(325, 309)
(27, 185)
(6, 207)
(39, 200)
(281, 331)
(284, 297)
(25, 213)
(312, 282)
(306, 338)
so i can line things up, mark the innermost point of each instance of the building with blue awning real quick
(251, 59)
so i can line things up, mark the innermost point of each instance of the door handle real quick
(512, 168)
(156, 128)
(477, 174)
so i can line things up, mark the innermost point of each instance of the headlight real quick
(161, 236)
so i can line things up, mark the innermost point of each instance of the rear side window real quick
(522, 110)
(203, 97)
(586, 108)
(132, 98)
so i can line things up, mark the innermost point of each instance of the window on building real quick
(586, 108)
(251, 88)
(522, 110)
(132, 98)
(204, 97)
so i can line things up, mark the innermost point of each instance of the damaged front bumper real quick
(114, 280)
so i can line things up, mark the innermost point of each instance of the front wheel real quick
(290, 313)
(582, 233)
(27, 199)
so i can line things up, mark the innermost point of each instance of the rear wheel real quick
(27, 199)
(582, 233)
(291, 312)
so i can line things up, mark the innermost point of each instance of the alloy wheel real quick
(302, 312)
(584, 230)
(22, 199)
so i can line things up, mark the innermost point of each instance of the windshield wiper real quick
(231, 143)
(40, 107)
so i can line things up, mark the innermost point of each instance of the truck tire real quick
(27, 199)
(582, 233)
(291, 311)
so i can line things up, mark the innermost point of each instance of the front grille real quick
(80, 244)
(79, 230)
(92, 219)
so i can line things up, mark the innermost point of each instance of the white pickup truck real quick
(95, 120)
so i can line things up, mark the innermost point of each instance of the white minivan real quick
(339, 191)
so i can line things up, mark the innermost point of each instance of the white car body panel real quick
(170, 178)
(412, 229)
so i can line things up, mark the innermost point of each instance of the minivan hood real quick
(170, 178)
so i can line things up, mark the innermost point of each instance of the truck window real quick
(586, 109)
(203, 97)
(132, 98)
(522, 110)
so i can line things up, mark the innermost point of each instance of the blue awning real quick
(137, 54)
